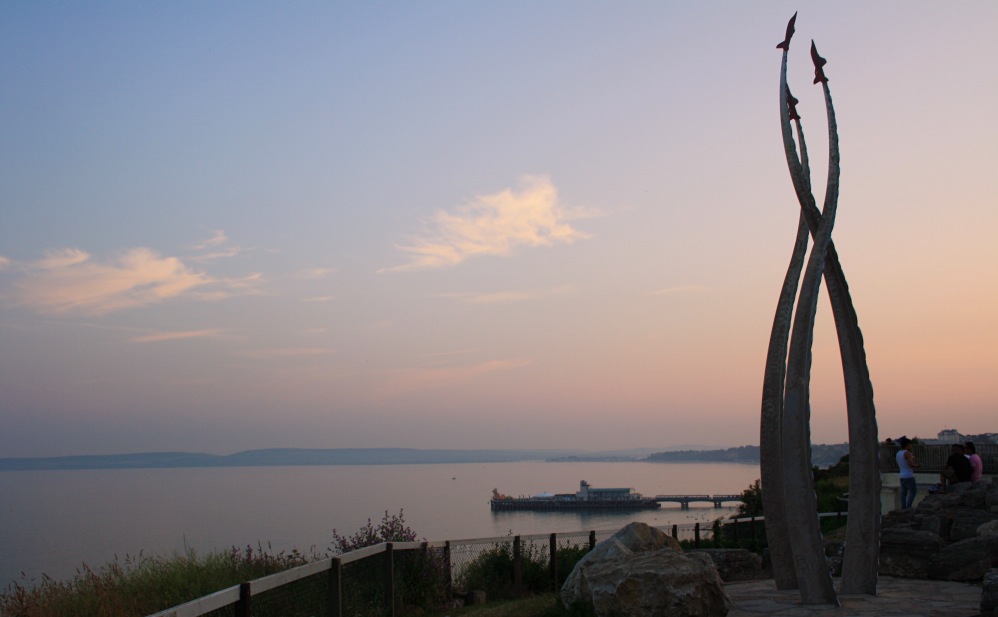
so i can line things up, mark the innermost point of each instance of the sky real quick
(443, 224)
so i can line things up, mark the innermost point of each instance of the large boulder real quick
(966, 522)
(968, 560)
(907, 553)
(642, 572)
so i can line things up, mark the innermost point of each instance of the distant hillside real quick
(821, 455)
(279, 457)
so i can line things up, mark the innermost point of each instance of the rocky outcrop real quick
(989, 594)
(735, 564)
(642, 572)
(908, 553)
(945, 537)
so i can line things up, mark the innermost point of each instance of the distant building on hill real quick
(947, 435)
(951, 435)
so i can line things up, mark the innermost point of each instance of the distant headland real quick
(821, 455)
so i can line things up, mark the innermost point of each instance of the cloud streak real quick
(678, 291)
(176, 336)
(507, 297)
(529, 215)
(72, 281)
(435, 378)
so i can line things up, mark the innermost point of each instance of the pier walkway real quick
(684, 501)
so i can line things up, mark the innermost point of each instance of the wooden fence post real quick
(243, 605)
(675, 532)
(592, 539)
(517, 567)
(336, 587)
(389, 580)
(553, 549)
(696, 535)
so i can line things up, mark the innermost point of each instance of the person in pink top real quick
(976, 464)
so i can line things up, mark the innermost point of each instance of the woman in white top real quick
(907, 464)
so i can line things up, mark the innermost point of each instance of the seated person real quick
(957, 468)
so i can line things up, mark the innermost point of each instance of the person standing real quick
(907, 464)
(976, 464)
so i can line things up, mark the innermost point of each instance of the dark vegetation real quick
(821, 455)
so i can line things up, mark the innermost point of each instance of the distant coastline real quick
(822, 455)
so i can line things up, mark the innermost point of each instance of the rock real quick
(907, 553)
(988, 530)
(989, 594)
(939, 524)
(475, 597)
(834, 554)
(972, 495)
(967, 561)
(735, 564)
(642, 572)
(966, 522)
(638, 537)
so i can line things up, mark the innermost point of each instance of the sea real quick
(56, 523)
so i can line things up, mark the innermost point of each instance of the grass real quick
(543, 605)
(136, 586)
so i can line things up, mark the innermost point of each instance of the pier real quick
(685, 500)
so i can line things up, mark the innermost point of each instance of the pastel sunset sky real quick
(446, 224)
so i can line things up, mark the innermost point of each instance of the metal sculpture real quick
(785, 445)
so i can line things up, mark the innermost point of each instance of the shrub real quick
(492, 571)
(420, 577)
(392, 528)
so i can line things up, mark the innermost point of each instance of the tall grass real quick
(141, 585)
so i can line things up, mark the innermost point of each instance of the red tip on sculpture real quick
(792, 105)
(790, 32)
(819, 63)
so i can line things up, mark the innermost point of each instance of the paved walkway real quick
(896, 597)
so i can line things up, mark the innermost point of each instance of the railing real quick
(685, 500)
(369, 578)
(932, 457)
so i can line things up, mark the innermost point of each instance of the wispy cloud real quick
(314, 273)
(72, 281)
(529, 215)
(218, 238)
(678, 290)
(319, 299)
(160, 337)
(217, 247)
(435, 378)
(288, 352)
(506, 297)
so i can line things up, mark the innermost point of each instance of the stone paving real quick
(896, 597)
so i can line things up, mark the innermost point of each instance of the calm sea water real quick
(53, 521)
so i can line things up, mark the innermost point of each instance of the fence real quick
(932, 457)
(384, 579)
